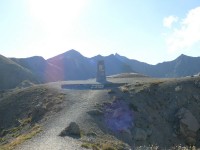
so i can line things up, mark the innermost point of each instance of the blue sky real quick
(151, 31)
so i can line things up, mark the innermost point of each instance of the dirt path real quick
(77, 102)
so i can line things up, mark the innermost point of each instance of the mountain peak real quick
(182, 56)
(71, 53)
(111, 55)
(116, 54)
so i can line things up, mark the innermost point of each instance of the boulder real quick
(95, 112)
(197, 83)
(140, 134)
(188, 126)
(186, 118)
(72, 130)
(190, 141)
(178, 88)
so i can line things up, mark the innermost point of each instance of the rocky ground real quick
(145, 111)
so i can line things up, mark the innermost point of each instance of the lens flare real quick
(118, 116)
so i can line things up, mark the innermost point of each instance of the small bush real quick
(86, 145)
(21, 138)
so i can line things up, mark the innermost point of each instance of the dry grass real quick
(108, 146)
(103, 145)
(20, 139)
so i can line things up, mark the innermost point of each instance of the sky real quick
(150, 31)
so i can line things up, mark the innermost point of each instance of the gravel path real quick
(77, 102)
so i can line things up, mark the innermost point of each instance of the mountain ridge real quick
(72, 65)
(12, 74)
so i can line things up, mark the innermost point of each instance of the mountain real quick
(180, 67)
(136, 65)
(44, 71)
(12, 74)
(71, 65)
(76, 67)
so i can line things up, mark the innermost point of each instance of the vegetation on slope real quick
(22, 111)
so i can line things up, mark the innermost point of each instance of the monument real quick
(101, 75)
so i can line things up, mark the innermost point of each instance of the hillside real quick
(44, 71)
(12, 74)
(145, 111)
(22, 109)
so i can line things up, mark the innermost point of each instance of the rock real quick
(140, 134)
(187, 119)
(149, 132)
(197, 83)
(190, 141)
(126, 136)
(188, 126)
(178, 88)
(72, 130)
(196, 97)
(95, 112)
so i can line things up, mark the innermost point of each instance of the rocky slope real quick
(21, 110)
(165, 112)
(145, 111)
(12, 74)
(44, 71)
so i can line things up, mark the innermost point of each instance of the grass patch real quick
(86, 145)
(92, 146)
(14, 132)
(108, 146)
(155, 83)
(2, 140)
(21, 138)
(103, 145)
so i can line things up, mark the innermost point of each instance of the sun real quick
(57, 20)
(56, 14)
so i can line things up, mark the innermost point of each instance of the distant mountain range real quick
(71, 65)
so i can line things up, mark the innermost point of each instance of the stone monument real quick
(101, 75)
